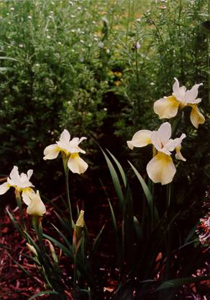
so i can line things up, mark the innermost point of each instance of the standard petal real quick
(161, 138)
(140, 139)
(29, 173)
(179, 92)
(65, 136)
(26, 195)
(176, 86)
(73, 145)
(76, 164)
(14, 177)
(191, 95)
(4, 188)
(51, 152)
(166, 107)
(164, 132)
(196, 117)
(161, 169)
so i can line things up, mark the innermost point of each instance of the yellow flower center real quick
(74, 155)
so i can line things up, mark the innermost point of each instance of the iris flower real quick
(21, 183)
(161, 167)
(167, 107)
(70, 148)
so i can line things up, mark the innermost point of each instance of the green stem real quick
(19, 203)
(66, 171)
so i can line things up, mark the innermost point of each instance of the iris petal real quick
(76, 164)
(166, 107)
(4, 188)
(51, 152)
(196, 117)
(161, 169)
(140, 139)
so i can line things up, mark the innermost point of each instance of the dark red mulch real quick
(15, 284)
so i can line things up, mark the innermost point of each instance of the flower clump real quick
(24, 188)
(20, 182)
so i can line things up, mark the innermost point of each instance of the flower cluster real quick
(23, 187)
(22, 184)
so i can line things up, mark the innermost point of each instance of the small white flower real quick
(21, 183)
(71, 150)
(100, 44)
(138, 45)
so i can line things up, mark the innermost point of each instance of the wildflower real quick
(161, 167)
(167, 107)
(35, 205)
(21, 183)
(100, 44)
(70, 149)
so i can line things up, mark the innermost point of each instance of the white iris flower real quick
(161, 167)
(167, 107)
(21, 183)
(71, 150)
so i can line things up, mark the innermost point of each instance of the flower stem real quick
(19, 203)
(66, 171)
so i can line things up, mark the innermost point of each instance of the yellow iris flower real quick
(70, 148)
(20, 182)
(167, 107)
(161, 167)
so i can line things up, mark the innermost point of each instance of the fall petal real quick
(26, 194)
(76, 164)
(140, 139)
(196, 117)
(51, 152)
(161, 169)
(166, 107)
(4, 188)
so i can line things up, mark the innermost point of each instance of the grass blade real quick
(115, 180)
(147, 193)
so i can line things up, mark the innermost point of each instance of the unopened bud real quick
(32, 249)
